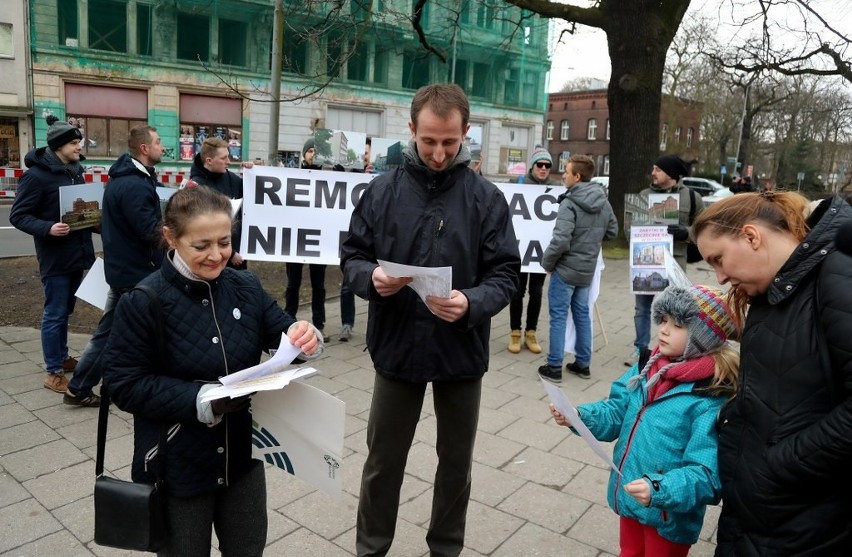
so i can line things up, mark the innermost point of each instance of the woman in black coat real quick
(216, 321)
(785, 441)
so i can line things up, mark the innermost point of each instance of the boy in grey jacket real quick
(585, 219)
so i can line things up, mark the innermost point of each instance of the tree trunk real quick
(638, 39)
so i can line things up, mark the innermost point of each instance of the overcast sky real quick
(585, 54)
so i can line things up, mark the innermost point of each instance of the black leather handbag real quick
(130, 515)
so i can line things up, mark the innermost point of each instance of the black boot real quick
(551, 373)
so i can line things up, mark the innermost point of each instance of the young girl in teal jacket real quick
(664, 418)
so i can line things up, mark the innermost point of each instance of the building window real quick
(689, 137)
(144, 30)
(607, 129)
(464, 11)
(202, 117)
(380, 68)
(606, 165)
(480, 80)
(6, 47)
(415, 71)
(664, 137)
(677, 136)
(233, 36)
(67, 22)
(295, 53)
(549, 134)
(510, 87)
(10, 154)
(193, 40)
(366, 121)
(359, 59)
(592, 130)
(107, 25)
(460, 77)
(334, 58)
(530, 91)
(105, 115)
(563, 160)
(485, 16)
(564, 128)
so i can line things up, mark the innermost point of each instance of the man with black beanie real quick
(63, 254)
(665, 178)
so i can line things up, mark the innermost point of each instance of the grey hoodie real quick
(585, 219)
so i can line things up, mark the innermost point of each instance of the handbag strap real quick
(103, 411)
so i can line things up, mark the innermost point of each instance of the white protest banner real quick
(302, 216)
(300, 430)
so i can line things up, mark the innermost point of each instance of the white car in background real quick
(603, 181)
(709, 190)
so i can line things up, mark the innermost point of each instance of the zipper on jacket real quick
(436, 242)
(227, 372)
(626, 452)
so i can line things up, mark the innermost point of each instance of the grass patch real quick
(616, 249)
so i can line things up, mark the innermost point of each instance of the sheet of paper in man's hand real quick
(265, 376)
(564, 406)
(427, 281)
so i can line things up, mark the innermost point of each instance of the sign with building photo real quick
(80, 205)
(648, 246)
(340, 147)
(386, 154)
(289, 159)
(514, 160)
(10, 154)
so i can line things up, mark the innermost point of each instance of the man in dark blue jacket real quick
(434, 212)
(210, 168)
(130, 227)
(62, 254)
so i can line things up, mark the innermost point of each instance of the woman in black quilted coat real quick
(785, 441)
(217, 321)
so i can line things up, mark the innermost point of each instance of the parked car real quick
(709, 190)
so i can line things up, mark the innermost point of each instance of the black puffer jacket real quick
(226, 183)
(131, 222)
(36, 209)
(416, 216)
(212, 329)
(785, 441)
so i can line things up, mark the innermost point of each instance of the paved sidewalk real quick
(537, 489)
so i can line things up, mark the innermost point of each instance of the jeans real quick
(642, 320)
(516, 307)
(294, 284)
(347, 305)
(394, 414)
(59, 301)
(561, 296)
(89, 371)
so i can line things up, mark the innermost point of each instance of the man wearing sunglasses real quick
(538, 172)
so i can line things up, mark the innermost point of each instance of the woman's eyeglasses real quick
(543, 165)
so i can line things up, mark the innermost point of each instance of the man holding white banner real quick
(434, 211)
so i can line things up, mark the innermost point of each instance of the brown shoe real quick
(69, 365)
(532, 342)
(515, 341)
(56, 382)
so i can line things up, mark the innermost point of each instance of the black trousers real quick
(516, 307)
(394, 414)
(294, 285)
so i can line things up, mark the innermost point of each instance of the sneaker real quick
(551, 373)
(634, 357)
(87, 401)
(69, 365)
(325, 337)
(345, 333)
(56, 382)
(581, 372)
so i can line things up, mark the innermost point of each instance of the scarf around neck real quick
(664, 374)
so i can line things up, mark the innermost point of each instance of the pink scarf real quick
(675, 373)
